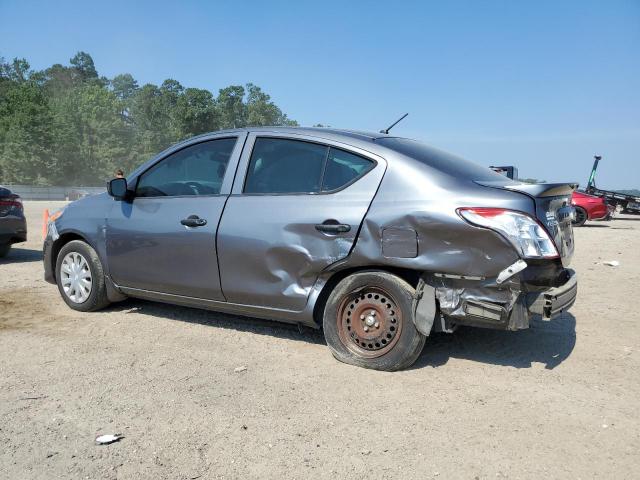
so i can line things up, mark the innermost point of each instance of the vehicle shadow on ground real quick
(22, 255)
(220, 320)
(549, 343)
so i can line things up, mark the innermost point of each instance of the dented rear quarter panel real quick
(416, 198)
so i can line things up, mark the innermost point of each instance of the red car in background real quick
(589, 207)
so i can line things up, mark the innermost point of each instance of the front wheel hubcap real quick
(75, 277)
(369, 322)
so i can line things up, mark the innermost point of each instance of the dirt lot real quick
(557, 401)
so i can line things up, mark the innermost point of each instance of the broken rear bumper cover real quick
(509, 305)
(553, 302)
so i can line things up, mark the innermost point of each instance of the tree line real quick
(67, 125)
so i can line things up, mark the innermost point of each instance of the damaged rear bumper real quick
(553, 302)
(478, 302)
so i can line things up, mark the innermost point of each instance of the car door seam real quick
(224, 207)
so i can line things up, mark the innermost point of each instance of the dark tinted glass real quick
(342, 168)
(195, 170)
(444, 162)
(285, 166)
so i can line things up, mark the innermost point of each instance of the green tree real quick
(18, 70)
(25, 138)
(91, 136)
(124, 86)
(233, 111)
(196, 112)
(67, 125)
(84, 66)
(151, 116)
(261, 111)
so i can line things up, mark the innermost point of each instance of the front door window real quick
(196, 170)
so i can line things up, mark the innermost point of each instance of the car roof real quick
(315, 130)
(355, 138)
(320, 131)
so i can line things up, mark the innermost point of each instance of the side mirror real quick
(117, 188)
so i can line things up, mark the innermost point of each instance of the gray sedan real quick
(377, 239)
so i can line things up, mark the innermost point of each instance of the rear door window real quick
(285, 166)
(281, 166)
(195, 170)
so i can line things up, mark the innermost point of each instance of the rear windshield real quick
(444, 162)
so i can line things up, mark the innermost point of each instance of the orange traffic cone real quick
(45, 221)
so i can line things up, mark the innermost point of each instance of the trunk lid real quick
(553, 210)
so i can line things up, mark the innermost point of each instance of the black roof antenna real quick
(394, 124)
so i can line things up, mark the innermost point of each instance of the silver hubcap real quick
(75, 276)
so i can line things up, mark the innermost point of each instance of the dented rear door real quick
(272, 245)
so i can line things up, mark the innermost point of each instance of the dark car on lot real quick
(13, 224)
(377, 239)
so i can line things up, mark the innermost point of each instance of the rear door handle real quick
(193, 221)
(333, 227)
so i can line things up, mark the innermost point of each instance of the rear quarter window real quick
(343, 168)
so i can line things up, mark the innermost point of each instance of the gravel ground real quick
(559, 400)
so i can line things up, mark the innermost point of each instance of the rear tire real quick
(78, 260)
(368, 322)
(5, 248)
(581, 217)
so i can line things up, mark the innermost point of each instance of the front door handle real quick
(333, 227)
(193, 221)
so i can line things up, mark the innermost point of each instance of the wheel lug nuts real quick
(377, 325)
(366, 329)
(373, 313)
(361, 317)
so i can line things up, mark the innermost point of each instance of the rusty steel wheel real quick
(369, 322)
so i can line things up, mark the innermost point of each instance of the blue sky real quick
(543, 85)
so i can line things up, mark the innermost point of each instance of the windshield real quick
(444, 162)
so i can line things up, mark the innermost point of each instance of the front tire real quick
(5, 248)
(581, 217)
(80, 277)
(368, 322)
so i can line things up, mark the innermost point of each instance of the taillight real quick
(11, 203)
(525, 233)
